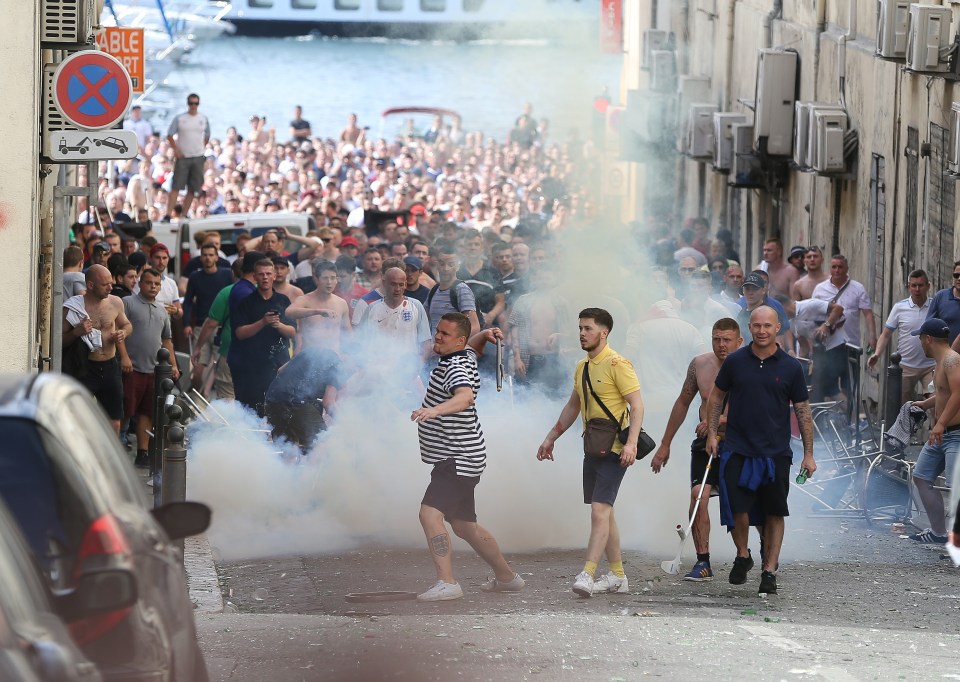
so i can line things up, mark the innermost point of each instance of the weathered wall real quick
(19, 185)
(883, 100)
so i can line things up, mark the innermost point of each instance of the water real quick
(488, 82)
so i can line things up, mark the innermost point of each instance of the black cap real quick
(753, 280)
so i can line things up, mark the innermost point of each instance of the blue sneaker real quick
(700, 573)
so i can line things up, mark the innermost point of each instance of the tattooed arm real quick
(688, 392)
(805, 422)
(714, 412)
(948, 415)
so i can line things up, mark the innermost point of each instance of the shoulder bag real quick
(599, 433)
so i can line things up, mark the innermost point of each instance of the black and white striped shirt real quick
(458, 436)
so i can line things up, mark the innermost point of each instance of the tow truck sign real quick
(90, 145)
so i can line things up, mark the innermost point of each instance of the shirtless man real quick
(535, 325)
(700, 377)
(939, 455)
(282, 286)
(782, 274)
(104, 314)
(323, 316)
(813, 262)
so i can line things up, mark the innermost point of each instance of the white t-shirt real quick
(906, 316)
(407, 323)
(169, 293)
(810, 311)
(192, 132)
(853, 299)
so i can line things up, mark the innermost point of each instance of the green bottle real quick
(803, 476)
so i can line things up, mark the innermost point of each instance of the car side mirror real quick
(182, 519)
(96, 592)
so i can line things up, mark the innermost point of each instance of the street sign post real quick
(92, 90)
(90, 145)
(126, 44)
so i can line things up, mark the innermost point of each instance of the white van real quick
(229, 225)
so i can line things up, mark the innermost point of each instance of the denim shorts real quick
(938, 459)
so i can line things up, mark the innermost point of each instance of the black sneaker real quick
(741, 565)
(143, 460)
(768, 583)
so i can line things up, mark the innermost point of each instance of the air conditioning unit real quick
(827, 130)
(53, 121)
(700, 138)
(893, 28)
(775, 96)
(690, 89)
(929, 34)
(69, 22)
(723, 123)
(663, 70)
(804, 132)
(653, 39)
(746, 170)
(953, 157)
(650, 116)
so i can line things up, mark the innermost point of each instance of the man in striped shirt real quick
(451, 439)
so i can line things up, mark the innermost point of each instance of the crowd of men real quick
(449, 230)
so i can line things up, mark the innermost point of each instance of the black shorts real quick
(698, 463)
(299, 424)
(451, 493)
(104, 381)
(770, 498)
(601, 478)
(831, 372)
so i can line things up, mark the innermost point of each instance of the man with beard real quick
(813, 263)
(614, 382)
(700, 377)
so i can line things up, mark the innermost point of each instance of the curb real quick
(202, 578)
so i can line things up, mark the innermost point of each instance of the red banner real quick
(611, 26)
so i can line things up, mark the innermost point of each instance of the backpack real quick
(454, 299)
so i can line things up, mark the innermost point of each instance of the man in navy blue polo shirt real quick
(760, 380)
(945, 305)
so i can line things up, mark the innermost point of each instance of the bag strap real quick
(585, 377)
(840, 291)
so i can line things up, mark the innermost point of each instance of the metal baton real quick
(499, 365)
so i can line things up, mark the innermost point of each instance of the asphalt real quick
(872, 606)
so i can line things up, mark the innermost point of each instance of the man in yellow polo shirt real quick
(615, 383)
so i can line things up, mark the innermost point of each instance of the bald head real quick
(95, 270)
(99, 282)
(394, 284)
(764, 326)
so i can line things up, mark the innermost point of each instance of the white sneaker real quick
(611, 582)
(515, 584)
(583, 585)
(442, 592)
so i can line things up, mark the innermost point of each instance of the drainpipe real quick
(731, 23)
(851, 34)
(821, 28)
(775, 13)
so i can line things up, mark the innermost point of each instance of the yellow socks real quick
(591, 568)
(616, 567)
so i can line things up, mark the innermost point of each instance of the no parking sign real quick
(92, 90)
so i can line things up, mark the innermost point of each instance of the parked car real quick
(81, 507)
(35, 643)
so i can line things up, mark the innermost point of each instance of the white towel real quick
(77, 313)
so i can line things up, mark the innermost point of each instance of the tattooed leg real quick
(438, 542)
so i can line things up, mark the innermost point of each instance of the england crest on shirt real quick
(406, 315)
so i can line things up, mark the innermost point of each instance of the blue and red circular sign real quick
(92, 89)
